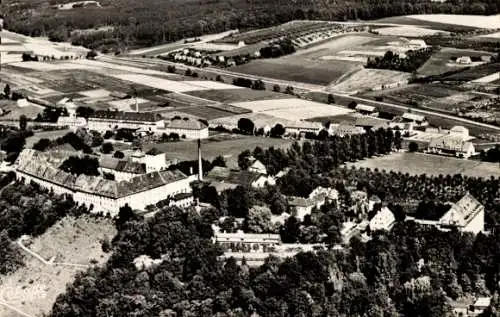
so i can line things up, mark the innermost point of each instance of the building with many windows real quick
(103, 195)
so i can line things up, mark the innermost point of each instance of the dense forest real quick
(144, 23)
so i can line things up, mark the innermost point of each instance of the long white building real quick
(104, 195)
(103, 120)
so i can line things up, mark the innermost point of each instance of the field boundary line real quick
(41, 259)
(15, 309)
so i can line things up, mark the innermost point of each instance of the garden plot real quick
(409, 31)
(106, 67)
(478, 21)
(293, 109)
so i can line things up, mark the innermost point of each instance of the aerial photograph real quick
(250, 158)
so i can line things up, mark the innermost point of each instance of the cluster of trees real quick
(51, 114)
(85, 165)
(491, 155)
(410, 63)
(278, 49)
(134, 25)
(12, 141)
(80, 141)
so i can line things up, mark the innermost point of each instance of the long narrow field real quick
(240, 95)
(419, 163)
(76, 241)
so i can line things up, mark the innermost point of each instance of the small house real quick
(464, 60)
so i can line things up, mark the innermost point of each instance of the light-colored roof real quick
(257, 165)
(363, 107)
(383, 220)
(462, 212)
(450, 143)
(483, 302)
(459, 128)
(126, 116)
(413, 117)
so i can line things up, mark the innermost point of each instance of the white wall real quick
(477, 224)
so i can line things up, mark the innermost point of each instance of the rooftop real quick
(189, 124)
(126, 116)
(226, 175)
(125, 166)
(38, 164)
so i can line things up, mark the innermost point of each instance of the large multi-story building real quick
(104, 195)
(103, 120)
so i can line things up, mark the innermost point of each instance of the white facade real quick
(154, 163)
(262, 181)
(119, 175)
(383, 220)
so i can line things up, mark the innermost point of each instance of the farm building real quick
(467, 215)
(224, 178)
(367, 110)
(452, 145)
(383, 220)
(464, 60)
(317, 198)
(104, 195)
(258, 167)
(103, 120)
(298, 127)
(416, 119)
(345, 128)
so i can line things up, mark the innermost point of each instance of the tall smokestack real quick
(200, 165)
(136, 105)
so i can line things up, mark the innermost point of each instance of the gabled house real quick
(257, 167)
(417, 119)
(383, 220)
(466, 215)
(366, 110)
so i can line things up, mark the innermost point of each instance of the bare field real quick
(205, 112)
(77, 241)
(240, 95)
(476, 21)
(419, 163)
(293, 109)
(408, 31)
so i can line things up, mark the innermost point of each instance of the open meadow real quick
(76, 241)
(420, 163)
(475, 21)
(230, 146)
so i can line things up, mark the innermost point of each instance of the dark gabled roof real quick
(126, 116)
(182, 196)
(222, 174)
(190, 124)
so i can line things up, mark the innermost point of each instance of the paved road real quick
(313, 88)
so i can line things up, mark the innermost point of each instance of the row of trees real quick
(410, 63)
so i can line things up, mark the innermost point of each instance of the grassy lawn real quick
(230, 146)
(236, 95)
(70, 240)
(51, 135)
(420, 163)
(441, 62)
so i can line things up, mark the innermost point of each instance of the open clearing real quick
(444, 61)
(240, 95)
(419, 163)
(228, 145)
(491, 36)
(293, 109)
(368, 79)
(408, 31)
(477, 21)
(76, 241)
